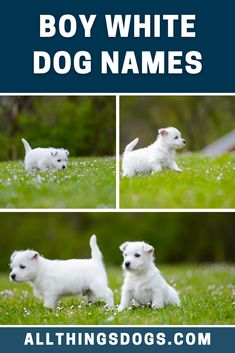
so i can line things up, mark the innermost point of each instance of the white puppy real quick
(143, 281)
(44, 158)
(52, 279)
(154, 158)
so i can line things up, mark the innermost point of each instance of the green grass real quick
(205, 182)
(85, 183)
(207, 297)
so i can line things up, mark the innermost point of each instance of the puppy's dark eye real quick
(58, 160)
(176, 137)
(137, 255)
(22, 267)
(125, 254)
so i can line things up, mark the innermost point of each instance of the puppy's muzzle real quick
(63, 167)
(127, 264)
(13, 276)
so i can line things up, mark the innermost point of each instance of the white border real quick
(116, 326)
(117, 152)
(115, 210)
(114, 94)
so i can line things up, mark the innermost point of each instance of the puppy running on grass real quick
(44, 159)
(143, 282)
(52, 279)
(154, 158)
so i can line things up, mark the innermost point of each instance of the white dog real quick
(143, 282)
(52, 279)
(154, 158)
(44, 158)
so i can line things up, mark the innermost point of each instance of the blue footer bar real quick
(112, 339)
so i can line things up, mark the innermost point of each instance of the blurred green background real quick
(83, 125)
(177, 237)
(200, 119)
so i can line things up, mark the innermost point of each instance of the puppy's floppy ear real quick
(148, 248)
(33, 255)
(53, 153)
(123, 246)
(67, 152)
(163, 132)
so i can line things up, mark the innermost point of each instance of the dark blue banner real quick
(117, 46)
(114, 339)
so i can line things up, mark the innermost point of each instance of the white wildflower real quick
(26, 312)
(110, 318)
(7, 294)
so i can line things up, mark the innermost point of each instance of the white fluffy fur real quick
(44, 158)
(143, 282)
(154, 158)
(52, 279)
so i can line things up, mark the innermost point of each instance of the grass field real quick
(205, 182)
(207, 295)
(86, 183)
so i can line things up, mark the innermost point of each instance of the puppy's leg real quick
(37, 294)
(125, 298)
(128, 172)
(156, 167)
(28, 168)
(128, 168)
(173, 296)
(105, 293)
(108, 297)
(173, 166)
(42, 165)
(157, 301)
(91, 297)
(136, 303)
(50, 300)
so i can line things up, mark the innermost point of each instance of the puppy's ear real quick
(35, 255)
(53, 153)
(123, 246)
(13, 255)
(162, 132)
(67, 152)
(32, 255)
(148, 248)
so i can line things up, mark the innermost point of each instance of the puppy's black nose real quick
(63, 167)
(13, 276)
(184, 141)
(127, 264)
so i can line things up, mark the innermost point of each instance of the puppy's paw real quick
(179, 170)
(156, 170)
(109, 307)
(157, 306)
(50, 307)
(120, 308)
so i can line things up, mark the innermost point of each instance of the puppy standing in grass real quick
(154, 158)
(44, 158)
(52, 279)
(143, 281)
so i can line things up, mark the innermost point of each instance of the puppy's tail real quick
(131, 145)
(26, 146)
(96, 254)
